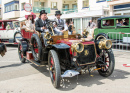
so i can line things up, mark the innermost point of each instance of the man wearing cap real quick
(60, 27)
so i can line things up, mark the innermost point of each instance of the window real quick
(86, 3)
(1, 25)
(54, 5)
(100, 0)
(122, 22)
(37, 4)
(16, 7)
(22, 6)
(109, 22)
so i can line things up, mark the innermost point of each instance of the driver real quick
(40, 24)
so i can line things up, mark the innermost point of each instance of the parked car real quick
(66, 53)
(9, 31)
(113, 27)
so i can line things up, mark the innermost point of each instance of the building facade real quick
(119, 7)
(80, 11)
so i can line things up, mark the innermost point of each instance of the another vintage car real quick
(113, 30)
(3, 49)
(66, 52)
(9, 31)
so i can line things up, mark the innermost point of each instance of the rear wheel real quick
(54, 68)
(107, 57)
(36, 47)
(21, 53)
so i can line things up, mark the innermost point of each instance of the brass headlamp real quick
(85, 32)
(105, 44)
(47, 36)
(77, 47)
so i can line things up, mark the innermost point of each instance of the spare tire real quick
(36, 47)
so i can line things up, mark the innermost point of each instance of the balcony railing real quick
(38, 9)
(67, 10)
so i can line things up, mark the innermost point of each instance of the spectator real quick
(126, 22)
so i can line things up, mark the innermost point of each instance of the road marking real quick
(126, 65)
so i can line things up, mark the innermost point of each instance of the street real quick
(16, 77)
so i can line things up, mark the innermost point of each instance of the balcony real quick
(38, 9)
(68, 11)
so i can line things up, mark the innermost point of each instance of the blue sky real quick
(0, 1)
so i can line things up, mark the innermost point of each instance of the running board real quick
(34, 62)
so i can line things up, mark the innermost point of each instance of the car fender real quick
(103, 34)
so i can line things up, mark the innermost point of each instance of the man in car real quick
(40, 24)
(107, 23)
(60, 27)
(126, 22)
(120, 22)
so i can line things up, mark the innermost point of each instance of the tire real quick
(54, 68)
(21, 52)
(108, 69)
(36, 47)
(17, 35)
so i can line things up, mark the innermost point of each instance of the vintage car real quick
(9, 31)
(113, 30)
(3, 49)
(66, 52)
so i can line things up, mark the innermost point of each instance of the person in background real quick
(60, 27)
(91, 26)
(120, 22)
(8, 26)
(107, 23)
(30, 23)
(70, 26)
(126, 22)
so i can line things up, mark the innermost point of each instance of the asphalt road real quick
(16, 77)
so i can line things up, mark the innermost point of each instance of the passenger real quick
(30, 22)
(61, 26)
(120, 22)
(126, 22)
(8, 26)
(70, 26)
(107, 23)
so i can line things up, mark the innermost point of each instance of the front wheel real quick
(107, 57)
(21, 52)
(54, 68)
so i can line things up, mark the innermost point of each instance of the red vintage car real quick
(66, 53)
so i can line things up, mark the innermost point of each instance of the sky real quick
(0, 1)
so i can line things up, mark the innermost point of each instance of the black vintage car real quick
(66, 52)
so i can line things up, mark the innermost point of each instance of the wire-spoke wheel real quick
(54, 68)
(21, 53)
(107, 57)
